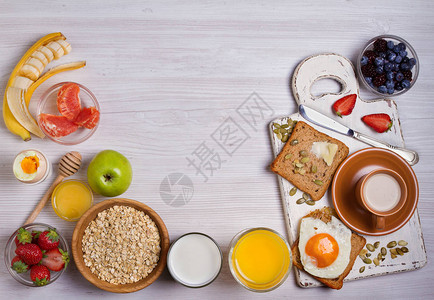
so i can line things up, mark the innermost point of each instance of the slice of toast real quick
(357, 244)
(287, 163)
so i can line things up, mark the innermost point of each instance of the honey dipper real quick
(68, 165)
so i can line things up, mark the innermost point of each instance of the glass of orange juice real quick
(71, 199)
(259, 259)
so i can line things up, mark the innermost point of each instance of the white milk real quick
(382, 192)
(194, 260)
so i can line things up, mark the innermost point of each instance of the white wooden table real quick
(170, 78)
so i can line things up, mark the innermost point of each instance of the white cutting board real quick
(341, 69)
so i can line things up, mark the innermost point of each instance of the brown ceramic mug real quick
(382, 192)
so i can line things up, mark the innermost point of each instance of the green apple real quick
(109, 173)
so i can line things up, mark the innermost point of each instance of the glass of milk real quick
(194, 260)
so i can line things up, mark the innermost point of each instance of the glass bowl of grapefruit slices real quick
(68, 113)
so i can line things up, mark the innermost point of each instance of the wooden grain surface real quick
(168, 76)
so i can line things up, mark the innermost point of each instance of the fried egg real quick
(26, 165)
(324, 247)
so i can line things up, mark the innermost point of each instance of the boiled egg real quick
(324, 247)
(26, 165)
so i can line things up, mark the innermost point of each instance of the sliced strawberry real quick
(57, 126)
(55, 259)
(18, 265)
(379, 122)
(345, 105)
(40, 275)
(31, 254)
(68, 100)
(23, 237)
(88, 117)
(48, 239)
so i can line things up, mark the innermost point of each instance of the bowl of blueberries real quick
(388, 65)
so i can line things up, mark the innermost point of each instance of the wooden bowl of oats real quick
(120, 245)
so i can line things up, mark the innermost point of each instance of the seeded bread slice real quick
(285, 162)
(357, 244)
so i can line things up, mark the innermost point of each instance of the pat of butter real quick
(325, 151)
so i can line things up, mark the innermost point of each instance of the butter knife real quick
(321, 120)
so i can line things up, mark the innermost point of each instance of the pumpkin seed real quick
(302, 171)
(294, 142)
(284, 126)
(288, 156)
(314, 169)
(363, 252)
(379, 256)
(306, 196)
(296, 162)
(370, 247)
(299, 165)
(368, 254)
(377, 244)
(362, 257)
(279, 136)
(383, 251)
(310, 202)
(376, 261)
(301, 201)
(393, 256)
(362, 269)
(276, 125)
(367, 261)
(393, 251)
(290, 122)
(293, 191)
(285, 138)
(282, 130)
(391, 244)
(304, 153)
(276, 131)
(402, 243)
(318, 182)
(305, 160)
(404, 249)
(399, 251)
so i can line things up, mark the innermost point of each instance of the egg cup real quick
(42, 172)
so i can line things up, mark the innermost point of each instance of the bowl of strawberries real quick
(68, 113)
(36, 254)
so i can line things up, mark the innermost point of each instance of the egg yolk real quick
(323, 249)
(30, 164)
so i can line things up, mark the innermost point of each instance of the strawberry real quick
(55, 259)
(35, 236)
(48, 239)
(379, 122)
(345, 105)
(31, 254)
(18, 265)
(40, 275)
(23, 237)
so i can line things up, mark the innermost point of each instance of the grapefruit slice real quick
(68, 101)
(57, 126)
(88, 117)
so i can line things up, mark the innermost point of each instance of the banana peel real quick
(14, 125)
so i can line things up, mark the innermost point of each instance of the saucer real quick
(345, 180)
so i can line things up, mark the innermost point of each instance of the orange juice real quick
(71, 199)
(260, 259)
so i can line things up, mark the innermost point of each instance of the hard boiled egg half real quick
(29, 166)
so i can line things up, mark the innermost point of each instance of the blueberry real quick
(396, 49)
(398, 59)
(401, 46)
(398, 86)
(364, 61)
(412, 61)
(403, 53)
(368, 80)
(390, 44)
(390, 84)
(382, 89)
(396, 67)
(405, 60)
(405, 66)
(382, 55)
(379, 61)
(379, 69)
(391, 56)
(399, 76)
(388, 67)
(390, 91)
(390, 75)
(405, 83)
